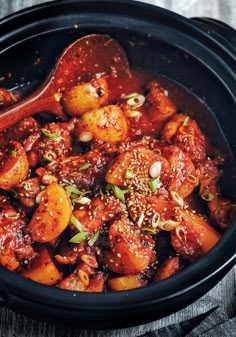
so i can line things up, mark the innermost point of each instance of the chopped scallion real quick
(50, 155)
(207, 196)
(76, 223)
(27, 185)
(12, 215)
(73, 189)
(149, 230)
(81, 201)
(79, 237)
(93, 239)
(14, 193)
(118, 192)
(13, 153)
(192, 179)
(51, 135)
(177, 198)
(85, 166)
(154, 184)
(185, 121)
(129, 173)
(140, 220)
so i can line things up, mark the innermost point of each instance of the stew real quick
(122, 194)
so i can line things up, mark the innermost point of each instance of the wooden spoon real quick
(79, 62)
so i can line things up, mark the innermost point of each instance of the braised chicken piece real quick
(15, 245)
(223, 211)
(161, 108)
(50, 143)
(184, 176)
(85, 171)
(184, 132)
(19, 131)
(193, 237)
(14, 165)
(27, 192)
(130, 251)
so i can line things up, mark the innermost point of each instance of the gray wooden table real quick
(222, 296)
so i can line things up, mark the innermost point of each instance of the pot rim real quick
(196, 274)
(181, 283)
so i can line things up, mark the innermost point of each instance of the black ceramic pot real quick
(198, 54)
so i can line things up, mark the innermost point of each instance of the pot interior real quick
(187, 66)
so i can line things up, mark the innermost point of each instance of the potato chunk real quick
(52, 215)
(126, 282)
(130, 251)
(194, 237)
(84, 97)
(14, 165)
(43, 269)
(170, 267)
(107, 124)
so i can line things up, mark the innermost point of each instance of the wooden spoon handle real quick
(30, 106)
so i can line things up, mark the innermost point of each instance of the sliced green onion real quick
(93, 239)
(102, 191)
(50, 155)
(156, 219)
(133, 113)
(12, 215)
(207, 196)
(27, 185)
(14, 193)
(129, 173)
(181, 230)
(79, 237)
(149, 230)
(168, 225)
(136, 101)
(81, 201)
(95, 210)
(192, 179)
(13, 153)
(51, 135)
(85, 167)
(185, 121)
(118, 192)
(78, 225)
(154, 184)
(157, 151)
(132, 95)
(73, 189)
(140, 220)
(177, 198)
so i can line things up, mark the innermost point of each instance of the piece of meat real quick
(184, 177)
(185, 133)
(50, 143)
(130, 250)
(15, 246)
(19, 131)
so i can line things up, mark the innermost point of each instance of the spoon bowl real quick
(79, 62)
